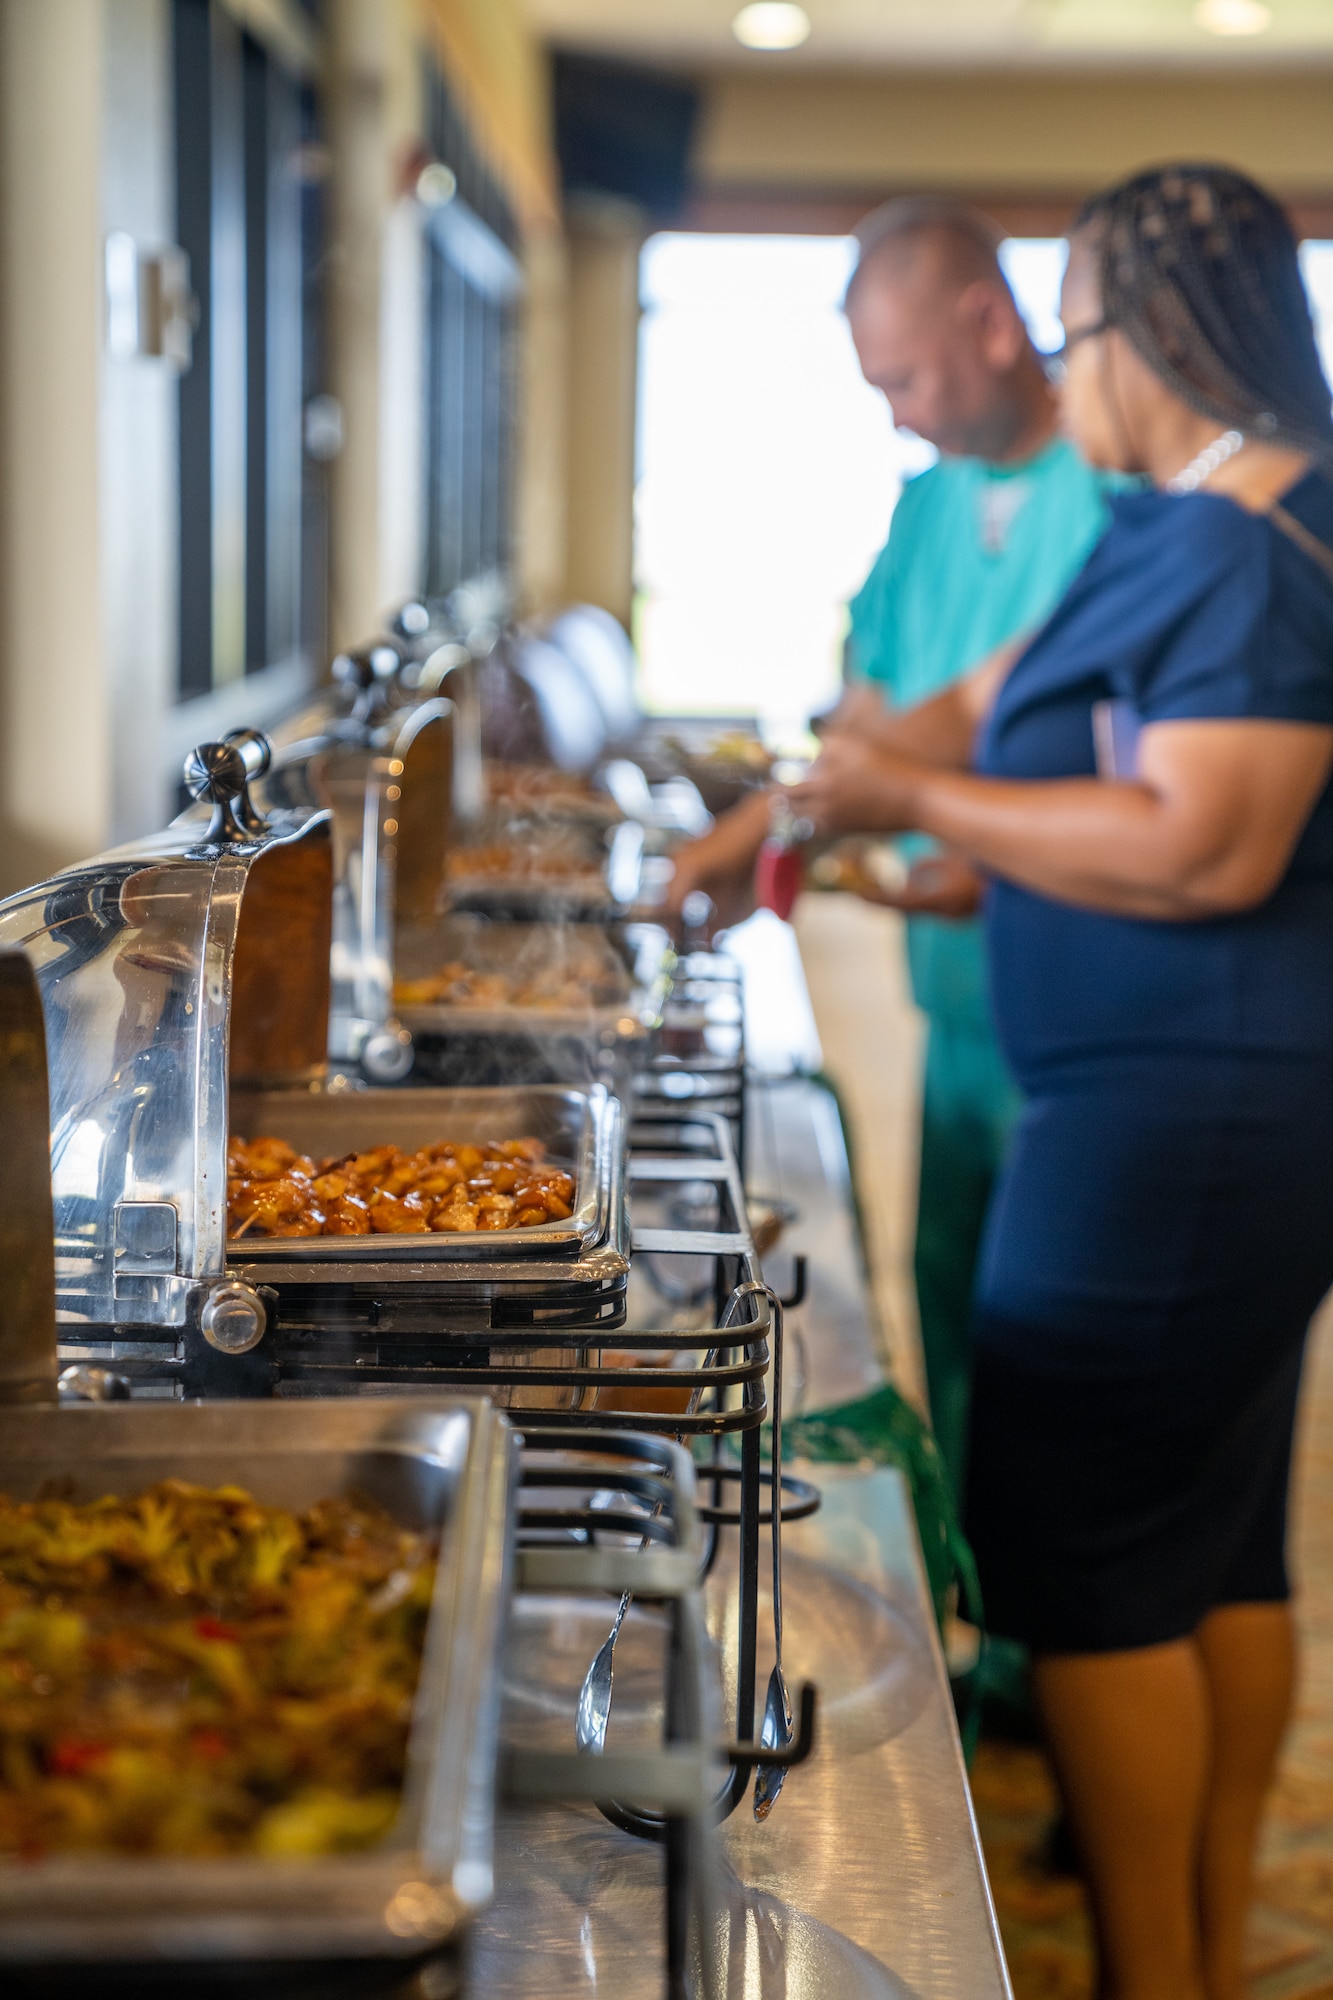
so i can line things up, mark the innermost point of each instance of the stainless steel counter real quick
(867, 1880)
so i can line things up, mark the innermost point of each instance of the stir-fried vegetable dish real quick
(272, 1190)
(189, 1672)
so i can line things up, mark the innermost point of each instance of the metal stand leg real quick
(747, 1637)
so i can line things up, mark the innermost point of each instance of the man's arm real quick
(942, 731)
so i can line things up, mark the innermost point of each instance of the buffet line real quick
(402, 1273)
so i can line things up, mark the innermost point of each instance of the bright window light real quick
(1035, 268)
(771, 24)
(768, 469)
(1317, 270)
(1233, 17)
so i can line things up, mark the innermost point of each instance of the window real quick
(1317, 269)
(249, 218)
(767, 474)
(472, 286)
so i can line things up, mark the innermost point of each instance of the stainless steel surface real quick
(445, 1466)
(868, 1880)
(27, 1267)
(581, 1128)
(155, 983)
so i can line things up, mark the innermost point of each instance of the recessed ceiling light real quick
(1233, 17)
(771, 24)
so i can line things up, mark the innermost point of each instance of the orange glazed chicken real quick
(272, 1190)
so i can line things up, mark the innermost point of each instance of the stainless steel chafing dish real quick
(388, 775)
(538, 1001)
(443, 1467)
(168, 968)
(568, 869)
(185, 983)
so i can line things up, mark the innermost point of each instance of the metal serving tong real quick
(776, 1730)
(594, 1706)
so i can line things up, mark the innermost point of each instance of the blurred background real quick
(306, 309)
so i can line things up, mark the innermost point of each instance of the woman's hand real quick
(857, 787)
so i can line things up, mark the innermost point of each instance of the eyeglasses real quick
(1056, 363)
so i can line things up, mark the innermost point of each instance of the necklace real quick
(1205, 465)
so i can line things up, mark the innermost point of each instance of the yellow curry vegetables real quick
(189, 1672)
(272, 1190)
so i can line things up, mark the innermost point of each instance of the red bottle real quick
(780, 870)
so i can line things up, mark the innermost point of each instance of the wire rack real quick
(699, 1064)
(613, 1512)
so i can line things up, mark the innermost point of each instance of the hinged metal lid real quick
(386, 774)
(167, 969)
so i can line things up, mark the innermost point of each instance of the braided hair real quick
(1199, 271)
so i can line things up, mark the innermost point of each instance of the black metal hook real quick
(796, 1296)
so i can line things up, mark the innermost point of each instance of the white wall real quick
(55, 790)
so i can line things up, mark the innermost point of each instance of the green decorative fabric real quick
(884, 1429)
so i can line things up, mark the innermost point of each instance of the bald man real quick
(980, 549)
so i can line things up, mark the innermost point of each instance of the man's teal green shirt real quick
(977, 555)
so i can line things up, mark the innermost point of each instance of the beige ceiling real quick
(963, 33)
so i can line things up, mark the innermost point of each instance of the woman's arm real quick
(1208, 827)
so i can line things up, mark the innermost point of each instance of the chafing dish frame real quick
(453, 1462)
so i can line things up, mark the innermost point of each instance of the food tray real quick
(445, 1465)
(604, 890)
(611, 1038)
(580, 1128)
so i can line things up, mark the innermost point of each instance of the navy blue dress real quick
(1164, 1229)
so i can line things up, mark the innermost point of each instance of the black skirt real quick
(1153, 1257)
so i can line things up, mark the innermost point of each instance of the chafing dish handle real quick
(221, 773)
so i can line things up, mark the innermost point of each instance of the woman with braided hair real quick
(1146, 784)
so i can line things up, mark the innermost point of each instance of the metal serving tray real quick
(608, 1037)
(446, 1465)
(581, 1128)
(600, 895)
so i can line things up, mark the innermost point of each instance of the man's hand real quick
(857, 787)
(721, 863)
(940, 885)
